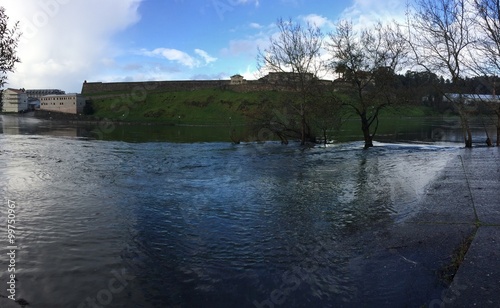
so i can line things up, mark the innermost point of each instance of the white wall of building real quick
(65, 103)
(14, 100)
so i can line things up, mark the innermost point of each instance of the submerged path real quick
(459, 214)
(477, 282)
(461, 208)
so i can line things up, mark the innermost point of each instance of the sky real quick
(66, 42)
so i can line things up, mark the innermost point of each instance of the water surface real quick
(162, 224)
(394, 130)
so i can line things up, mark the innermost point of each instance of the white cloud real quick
(181, 57)
(172, 55)
(65, 42)
(237, 2)
(251, 73)
(202, 53)
(255, 25)
(318, 20)
(365, 13)
(247, 47)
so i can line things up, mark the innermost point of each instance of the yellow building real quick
(66, 103)
(14, 100)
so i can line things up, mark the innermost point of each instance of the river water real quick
(113, 223)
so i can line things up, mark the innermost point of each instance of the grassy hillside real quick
(209, 107)
(203, 107)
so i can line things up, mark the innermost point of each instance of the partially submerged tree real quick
(328, 114)
(367, 62)
(440, 36)
(488, 47)
(295, 54)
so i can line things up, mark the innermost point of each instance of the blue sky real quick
(68, 41)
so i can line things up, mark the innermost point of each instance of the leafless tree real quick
(488, 48)
(9, 38)
(441, 35)
(295, 51)
(367, 61)
(328, 114)
(488, 45)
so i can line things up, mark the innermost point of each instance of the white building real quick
(468, 99)
(14, 100)
(66, 103)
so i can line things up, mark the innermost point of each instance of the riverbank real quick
(200, 116)
(460, 205)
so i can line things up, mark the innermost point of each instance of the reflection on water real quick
(161, 224)
(429, 130)
(27, 125)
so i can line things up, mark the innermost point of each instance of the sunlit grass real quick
(206, 107)
(209, 106)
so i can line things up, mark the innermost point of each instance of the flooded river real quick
(156, 223)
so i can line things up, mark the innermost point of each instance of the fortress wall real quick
(89, 88)
(109, 88)
(252, 86)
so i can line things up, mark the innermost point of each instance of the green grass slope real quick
(207, 107)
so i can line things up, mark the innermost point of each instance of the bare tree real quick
(295, 52)
(328, 113)
(441, 36)
(488, 47)
(367, 61)
(9, 38)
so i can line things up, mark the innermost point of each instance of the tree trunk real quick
(498, 133)
(365, 127)
(468, 140)
(303, 125)
(498, 128)
(303, 132)
(465, 127)
(368, 139)
(467, 136)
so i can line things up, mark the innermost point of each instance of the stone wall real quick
(90, 88)
(253, 86)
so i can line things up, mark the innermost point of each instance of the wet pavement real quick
(477, 282)
(463, 202)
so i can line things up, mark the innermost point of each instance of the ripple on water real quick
(207, 224)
